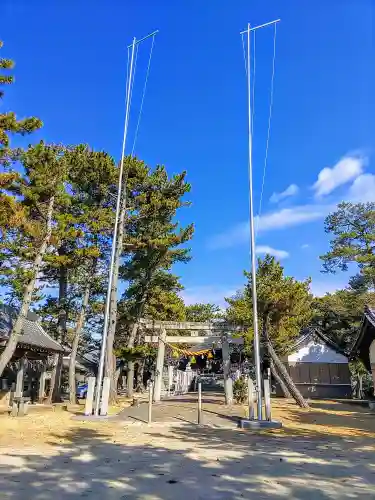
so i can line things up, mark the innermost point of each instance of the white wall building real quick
(318, 367)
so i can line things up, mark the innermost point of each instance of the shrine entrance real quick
(165, 334)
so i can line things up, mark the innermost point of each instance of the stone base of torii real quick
(219, 333)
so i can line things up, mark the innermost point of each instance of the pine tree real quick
(11, 212)
(135, 173)
(163, 304)
(338, 315)
(93, 177)
(202, 312)
(37, 191)
(284, 308)
(81, 239)
(90, 295)
(9, 124)
(152, 245)
(352, 227)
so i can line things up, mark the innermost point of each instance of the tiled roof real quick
(312, 332)
(32, 332)
(85, 362)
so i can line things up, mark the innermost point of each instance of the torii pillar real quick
(159, 365)
(228, 383)
(200, 332)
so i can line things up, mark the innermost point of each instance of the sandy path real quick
(48, 457)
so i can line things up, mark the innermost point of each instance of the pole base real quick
(93, 417)
(255, 425)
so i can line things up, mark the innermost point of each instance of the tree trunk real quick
(117, 374)
(130, 373)
(360, 386)
(279, 365)
(131, 341)
(134, 329)
(130, 379)
(139, 387)
(11, 344)
(280, 381)
(110, 368)
(280, 368)
(55, 386)
(114, 376)
(76, 339)
(53, 379)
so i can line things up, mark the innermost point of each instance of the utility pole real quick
(129, 85)
(252, 230)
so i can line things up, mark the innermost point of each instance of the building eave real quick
(312, 332)
(359, 348)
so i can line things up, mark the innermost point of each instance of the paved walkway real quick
(184, 410)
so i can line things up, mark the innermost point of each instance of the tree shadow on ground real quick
(192, 463)
(355, 421)
(353, 407)
(234, 418)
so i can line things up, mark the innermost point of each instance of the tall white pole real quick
(114, 239)
(252, 240)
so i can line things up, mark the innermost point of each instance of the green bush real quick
(240, 390)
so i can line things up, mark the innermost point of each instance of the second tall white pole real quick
(98, 391)
(252, 241)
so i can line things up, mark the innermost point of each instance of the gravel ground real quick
(326, 453)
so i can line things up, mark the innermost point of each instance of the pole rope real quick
(244, 53)
(143, 95)
(253, 107)
(127, 68)
(132, 83)
(253, 89)
(268, 131)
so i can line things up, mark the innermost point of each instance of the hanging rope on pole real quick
(133, 78)
(252, 228)
(268, 130)
(127, 68)
(143, 95)
(253, 79)
(129, 88)
(253, 92)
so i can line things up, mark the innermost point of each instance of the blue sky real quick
(70, 71)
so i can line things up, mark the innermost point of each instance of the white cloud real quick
(279, 219)
(347, 169)
(288, 217)
(264, 249)
(363, 189)
(289, 191)
(305, 245)
(213, 294)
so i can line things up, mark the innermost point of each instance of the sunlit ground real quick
(327, 452)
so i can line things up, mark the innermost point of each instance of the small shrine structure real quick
(26, 374)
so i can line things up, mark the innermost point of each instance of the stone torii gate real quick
(222, 333)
